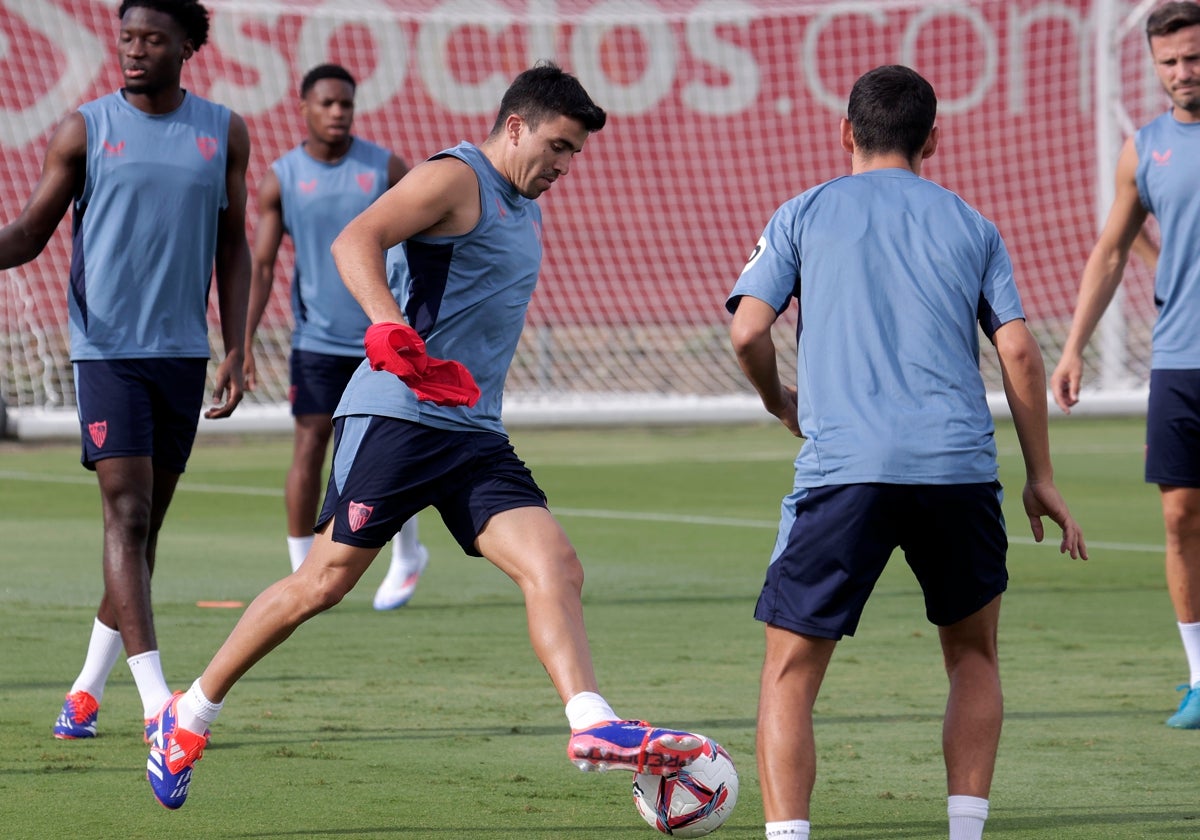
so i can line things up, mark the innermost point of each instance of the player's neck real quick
(863, 163)
(1184, 115)
(328, 152)
(158, 102)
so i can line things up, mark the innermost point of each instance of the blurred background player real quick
(894, 275)
(471, 229)
(158, 179)
(310, 193)
(1158, 173)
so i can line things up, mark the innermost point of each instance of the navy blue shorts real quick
(834, 542)
(137, 407)
(1173, 428)
(318, 380)
(386, 470)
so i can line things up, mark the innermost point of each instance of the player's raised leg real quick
(529, 545)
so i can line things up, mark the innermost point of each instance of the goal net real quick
(719, 111)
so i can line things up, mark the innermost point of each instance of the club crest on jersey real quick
(366, 181)
(1161, 158)
(359, 514)
(207, 146)
(98, 432)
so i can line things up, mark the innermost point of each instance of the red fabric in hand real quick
(398, 349)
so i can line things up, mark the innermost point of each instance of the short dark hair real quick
(325, 71)
(1171, 17)
(544, 91)
(891, 109)
(189, 14)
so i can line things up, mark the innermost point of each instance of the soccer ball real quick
(693, 801)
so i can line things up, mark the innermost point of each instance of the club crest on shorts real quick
(98, 432)
(359, 514)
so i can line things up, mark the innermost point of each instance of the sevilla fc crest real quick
(207, 147)
(98, 432)
(359, 514)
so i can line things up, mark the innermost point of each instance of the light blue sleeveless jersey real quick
(894, 275)
(1168, 182)
(466, 297)
(318, 200)
(145, 229)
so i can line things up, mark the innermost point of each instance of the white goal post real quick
(719, 110)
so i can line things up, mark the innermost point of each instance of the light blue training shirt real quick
(1168, 182)
(145, 229)
(466, 297)
(318, 200)
(893, 273)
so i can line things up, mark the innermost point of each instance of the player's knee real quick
(1181, 521)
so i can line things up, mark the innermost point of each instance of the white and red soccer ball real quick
(693, 801)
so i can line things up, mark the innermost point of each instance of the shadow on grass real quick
(1110, 823)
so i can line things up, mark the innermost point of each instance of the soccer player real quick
(157, 176)
(1159, 172)
(471, 231)
(892, 274)
(311, 193)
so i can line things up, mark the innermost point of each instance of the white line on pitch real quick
(581, 513)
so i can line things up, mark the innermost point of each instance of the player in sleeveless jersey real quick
(1158, 173)
(893, 275)
(310, 194)
(157, 176)
(471, 231)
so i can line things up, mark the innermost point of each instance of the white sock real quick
(967, 816)
(788, 830)
(298, 549)
(104, 649)
(195, 712)
(407, 544)
(151, 685)
(587, 708)
(1190, 633)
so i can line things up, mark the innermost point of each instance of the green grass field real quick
(437, 722)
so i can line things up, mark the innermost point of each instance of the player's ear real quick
(512, 127)
(931, 143)
(847, 134)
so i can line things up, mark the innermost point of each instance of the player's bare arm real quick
(750, 334)
(232, 273)
(397, 168)
(1024, 375)
(267, 238)
(61, 180)
(437, 198)
(1101, 276)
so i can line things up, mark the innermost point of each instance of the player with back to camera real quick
(158, 180)
(471, 231)
(1158, 173)
(892, 274)
(311, 193)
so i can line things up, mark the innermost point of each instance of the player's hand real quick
(250, 371)
(1043, 499)
(229, 389)
(1064, 382)
(785, 410)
